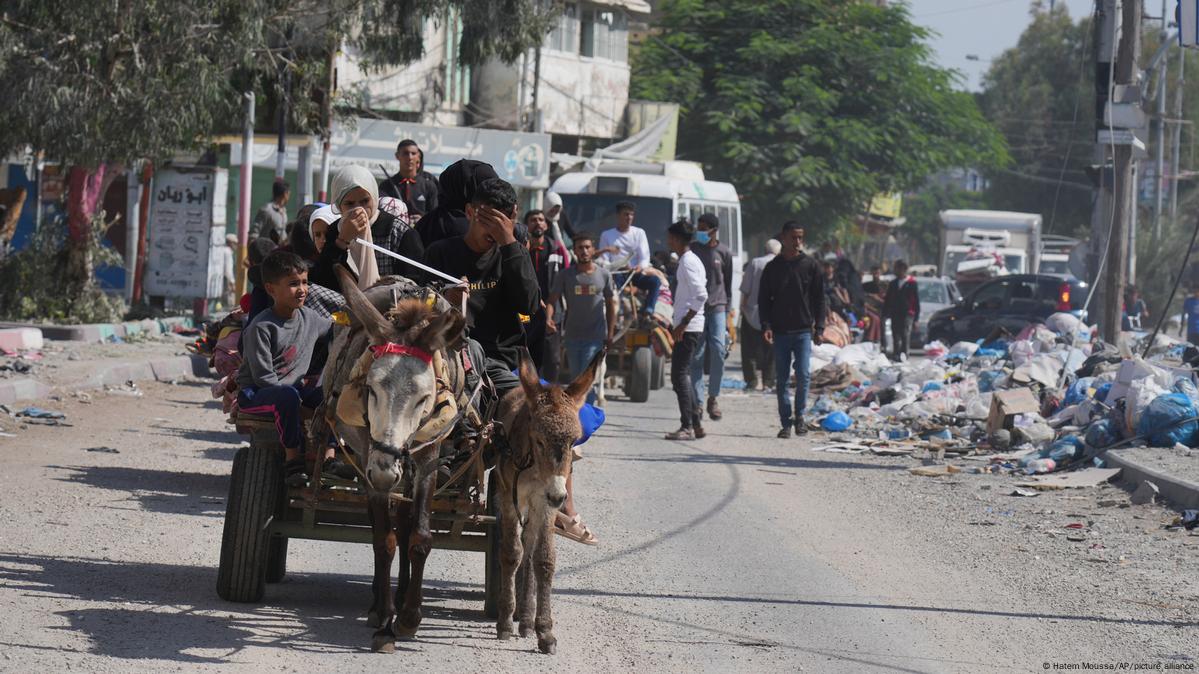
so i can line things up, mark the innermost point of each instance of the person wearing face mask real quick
(356, 206)
(718, 265)
(549, 257)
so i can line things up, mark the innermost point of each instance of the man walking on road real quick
(590, 296)
(791, 306)
(271, 220)
(718, 268)
(902, 307)
(413, 185)
(755, 353)
(628, 245)
(690, 296)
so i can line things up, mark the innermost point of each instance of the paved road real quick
(736, 553)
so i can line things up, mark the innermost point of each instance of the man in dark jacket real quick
(902, 307)
(792, 308)
(503, 284)
(718, 265)
(412, 185)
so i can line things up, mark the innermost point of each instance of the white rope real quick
(410, 261)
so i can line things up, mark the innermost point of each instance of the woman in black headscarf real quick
(455, 186)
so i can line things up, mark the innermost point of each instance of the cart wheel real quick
(254, 491)
(491, 574)
(657, 377)
(276, 560)
(637, 382)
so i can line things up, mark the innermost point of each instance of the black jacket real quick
(902, 301)
(791, 296)
(387, 232)
(456, 186)
(503, 285)
(418, 193)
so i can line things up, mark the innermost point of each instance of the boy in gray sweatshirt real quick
(277, 349)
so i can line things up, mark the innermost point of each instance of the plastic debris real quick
(836, 422)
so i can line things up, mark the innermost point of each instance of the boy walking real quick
(690, 296)
(277, 352)
(791, 306)
(590, 306)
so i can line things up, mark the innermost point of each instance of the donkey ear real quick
(379, 328)
(442, 330)
(581, 386)
(529, 380)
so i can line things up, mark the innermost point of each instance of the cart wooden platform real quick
(262, 515)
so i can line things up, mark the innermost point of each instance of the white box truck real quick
(977, 245)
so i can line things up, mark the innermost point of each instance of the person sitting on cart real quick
(627, 244)
(503, 293)
(275, 377)
(590, 295)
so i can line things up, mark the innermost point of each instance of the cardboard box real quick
(1005, 405)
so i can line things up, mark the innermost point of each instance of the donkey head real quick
(399, 388)
(553, 424)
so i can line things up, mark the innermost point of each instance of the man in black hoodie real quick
(792, 309)
(503, 283)
(412, 184)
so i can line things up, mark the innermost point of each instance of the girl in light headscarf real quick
(556, 215)
(354, 198)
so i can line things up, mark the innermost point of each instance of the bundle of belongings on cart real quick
(219, 341)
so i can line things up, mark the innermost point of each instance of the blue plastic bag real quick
(1102, 434)
(931, 386)
(837, 421)
(1163, 421)
(986, 380)
(1064, 450)
(1078, 391)
(1102, 391)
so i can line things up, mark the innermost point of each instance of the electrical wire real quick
(1173, 290)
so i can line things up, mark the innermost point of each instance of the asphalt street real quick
(739, 552)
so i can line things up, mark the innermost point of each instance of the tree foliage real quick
(809, 107)
(92, 82)
(1040, 94)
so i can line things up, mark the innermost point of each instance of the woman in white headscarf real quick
(556, 215)
(355, 202)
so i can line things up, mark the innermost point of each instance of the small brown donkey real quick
(541, 424)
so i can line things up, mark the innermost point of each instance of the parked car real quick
(1009, 302)
(936, 293)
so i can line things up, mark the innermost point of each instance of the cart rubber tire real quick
(657, 378)
(254, 492)
(637, 382)
(491, 574)
(276, 560)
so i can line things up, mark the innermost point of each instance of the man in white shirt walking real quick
(688, 328)
(627, 242)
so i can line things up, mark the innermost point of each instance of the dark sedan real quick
(1009, 302)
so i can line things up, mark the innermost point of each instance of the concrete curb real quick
(105, 332)
(115, 374)
(1180, 493)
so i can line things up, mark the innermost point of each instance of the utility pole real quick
(1105, 26)
(1124, 184)
(1163, 69)
(1177, 132)
(243, 193)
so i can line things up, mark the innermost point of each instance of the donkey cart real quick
(262, 515)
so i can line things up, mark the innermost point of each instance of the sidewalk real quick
(67, 367)
(105, 332)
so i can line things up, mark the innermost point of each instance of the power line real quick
(969, 8)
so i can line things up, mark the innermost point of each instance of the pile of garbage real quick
(1054, 397)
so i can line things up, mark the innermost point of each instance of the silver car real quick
(936, 293)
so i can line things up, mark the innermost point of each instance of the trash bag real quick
(1169, 420)
(1102, 391)
(1078, 391)
(1064, 450)
(1102, 434)
(963, 349)
(837, 421)
(1021, 352)
(931, 386)
(1186, 387)
(987, 380)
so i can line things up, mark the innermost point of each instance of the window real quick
(991, 296)
(932, 292)
(564, 36)
(604, 34)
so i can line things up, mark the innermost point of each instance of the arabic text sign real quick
(522, 159)
(182, 231)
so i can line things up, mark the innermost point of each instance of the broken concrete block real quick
(1145, 494)
(20, 339)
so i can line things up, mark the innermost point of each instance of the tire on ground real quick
(254, 491)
